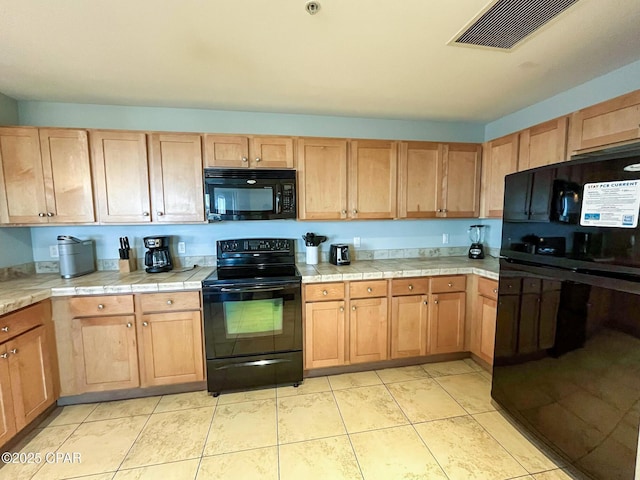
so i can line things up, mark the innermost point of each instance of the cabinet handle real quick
(145, 214)
(129, 324)
(100, 306)
(353, 308)
(4, 355)
(257, 159)
(245, 159)
(325, 293)
(160, 213)
(14, 351)
(425, 302)
(369, 289)
(145, 324)
(354, 211)
(41, 214)
(50, 214)
(341, 309)
(344, 212)
(444, 210)
(435, 302)
(5, 329)
(169, 302)
(410, 287)
(450, 284)
(495, 290)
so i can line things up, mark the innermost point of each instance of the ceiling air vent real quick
(507, 22)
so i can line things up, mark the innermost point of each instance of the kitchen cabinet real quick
(324, 325)
(46, 176)
(447, 304)
(409, 317)
(121, 176)
(372, 178)
(170, 338)
(529, 196)
(176, 178)
(237, 151)
(368, 330)
(500, 158)
(26, 380)
(461, 181)
(613, 121)
(322, 179)
(484, 319)
(420, 170)
(543, 144)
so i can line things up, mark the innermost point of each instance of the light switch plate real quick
(356, 241)
(445, 238)
(181, 247)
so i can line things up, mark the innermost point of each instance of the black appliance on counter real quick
(339, 254)
(567, 343)
(253, 315)
(158, 258)
(244, 194)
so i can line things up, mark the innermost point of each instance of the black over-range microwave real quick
(239, 194)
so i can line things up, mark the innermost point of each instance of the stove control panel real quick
(256, 245)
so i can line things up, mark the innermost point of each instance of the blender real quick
(476, 235)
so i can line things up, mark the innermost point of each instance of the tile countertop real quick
(22, 292)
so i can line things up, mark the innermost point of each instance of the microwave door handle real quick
(252, 289)
(278, 199)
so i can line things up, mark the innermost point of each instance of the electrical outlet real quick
(181, 247)
(445, 238)
(356, 241)
(53, 251)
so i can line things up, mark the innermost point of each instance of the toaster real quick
(339, 254)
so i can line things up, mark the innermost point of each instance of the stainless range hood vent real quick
(507, 22)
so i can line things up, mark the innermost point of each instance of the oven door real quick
(252, 319)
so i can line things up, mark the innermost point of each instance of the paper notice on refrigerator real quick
(611, 204)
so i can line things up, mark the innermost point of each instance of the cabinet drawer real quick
(93, 305)
(509, 285)
(15, 323)
(409, 286)
(456, 283)
(155, 302)
(531, 285)
(324, 291)
(367, 289)
(488, 288)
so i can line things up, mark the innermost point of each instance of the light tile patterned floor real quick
(434, 421)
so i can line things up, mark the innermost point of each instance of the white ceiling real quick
(373, 58)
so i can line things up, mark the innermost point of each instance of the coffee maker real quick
(157, 259)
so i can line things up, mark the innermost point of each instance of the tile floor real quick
(434, 421)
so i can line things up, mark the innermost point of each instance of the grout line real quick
(206, 438)
(278, 436)
(134, 442)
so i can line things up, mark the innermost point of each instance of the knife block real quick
(128, 265)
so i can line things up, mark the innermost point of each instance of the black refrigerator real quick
(567, 349)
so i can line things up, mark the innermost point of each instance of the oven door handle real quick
(257, 288)
(256, 363)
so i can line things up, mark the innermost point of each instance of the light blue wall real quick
(8, 110)
(201, 239)
(613, 84)
(198, 120)
(15, 246)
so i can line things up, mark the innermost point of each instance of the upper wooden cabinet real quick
(420, 170)
(121, 176)
(237, 151)
(176, 178)
(372, 179)
(46, 176)
(500, 158)
(322, 179)
(133, 187)
(616, 120)
(543, 144)
(461, 180)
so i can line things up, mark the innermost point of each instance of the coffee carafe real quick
(157, 259)
(476, 235)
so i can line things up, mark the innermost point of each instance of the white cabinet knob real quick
(129, 324)
(258, 160)
(145, 214)
(169, 302)
(369, 289)
(325, 293)
(353, 308)
(145, 324)
(450, 284)
(245, 159)
(5, 329)
(410, 287)
(100, 306)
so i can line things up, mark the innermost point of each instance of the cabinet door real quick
(543, 144)
(461, 181)
(419, 173)
(518, 197)
(368, 330)
(171, 345)
(271, 152)
(409, 326)
(22, 198)
(105, 353)
(446, 322)
(616, 120)
(67, 175)
(501, 159)
(487, 310)
(322, 179)
(7, 417)
(226, 151)
(121, 176)
(176, 178)
(31, 377)
(372, 179)
(324, 327)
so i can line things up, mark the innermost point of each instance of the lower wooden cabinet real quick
(324, 325)
(409, 315)
(446, 322)
(26, 380)
(483, 329)
(368, 330)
